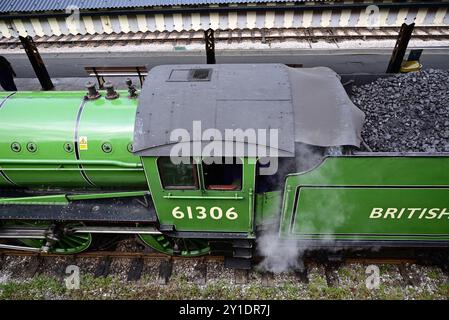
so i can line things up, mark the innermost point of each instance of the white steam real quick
(280, 255)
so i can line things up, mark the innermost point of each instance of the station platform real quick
(72, 64)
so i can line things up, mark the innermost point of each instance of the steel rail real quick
(157, 255)
(264, 35)
(100, 254)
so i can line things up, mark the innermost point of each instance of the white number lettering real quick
(215, 213)
(177, 213)
(201, 213)
(231, 214)
(212, 213)
(189, 212)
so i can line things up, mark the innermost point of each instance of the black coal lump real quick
(406, 112)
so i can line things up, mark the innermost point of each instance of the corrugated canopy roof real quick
(7, 6)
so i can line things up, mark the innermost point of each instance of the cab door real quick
(203, 195)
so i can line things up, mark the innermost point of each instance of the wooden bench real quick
(101, 72)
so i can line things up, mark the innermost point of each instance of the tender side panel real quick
(369, 199)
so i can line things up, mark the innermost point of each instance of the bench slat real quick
(101, 72)
(111, 71)
(117, 74)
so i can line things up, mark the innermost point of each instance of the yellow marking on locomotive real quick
(83, 143)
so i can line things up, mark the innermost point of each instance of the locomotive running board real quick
(110, 207)
(369, 200)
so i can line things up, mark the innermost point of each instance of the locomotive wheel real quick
(176, 246)
(67, 243)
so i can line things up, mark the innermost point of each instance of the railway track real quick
(200, 278)
(156, 255)
(102, 254)
(102, 261)
(136, 261)
(230, 36)
(149, 268)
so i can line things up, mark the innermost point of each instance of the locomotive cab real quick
(198, 195)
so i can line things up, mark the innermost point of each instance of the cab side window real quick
(223, 174)
(177, 176)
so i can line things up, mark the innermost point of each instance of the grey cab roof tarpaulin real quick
(306, 105)
(324, 114)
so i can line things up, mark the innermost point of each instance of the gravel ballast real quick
(350, 282)
(406, 112)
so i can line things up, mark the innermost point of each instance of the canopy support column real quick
(37, 62)
(401, 47)
(210, 46)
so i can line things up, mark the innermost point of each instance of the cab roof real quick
(307, 105)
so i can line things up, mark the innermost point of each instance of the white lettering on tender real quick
(376, 213)
(409, 213)
(443, 212)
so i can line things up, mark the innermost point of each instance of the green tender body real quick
(49, 121)
(336, 200)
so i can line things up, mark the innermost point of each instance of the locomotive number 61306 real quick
(200, 213)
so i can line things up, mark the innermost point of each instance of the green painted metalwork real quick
(50, 122)
(64, 199)
(361, 198)
(235, 197)
(59, 199)
(91, 196)
(201, 209)
(268, 207)
(110, 122)
(176, 246)
(72, 162)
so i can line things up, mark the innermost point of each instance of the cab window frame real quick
(242, 175)
(195, 175)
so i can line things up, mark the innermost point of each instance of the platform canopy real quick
(185, 20)
(306, 105)
(45, 5)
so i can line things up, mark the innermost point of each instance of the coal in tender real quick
(406, 112)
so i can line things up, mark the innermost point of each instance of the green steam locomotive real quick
(207, 158)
